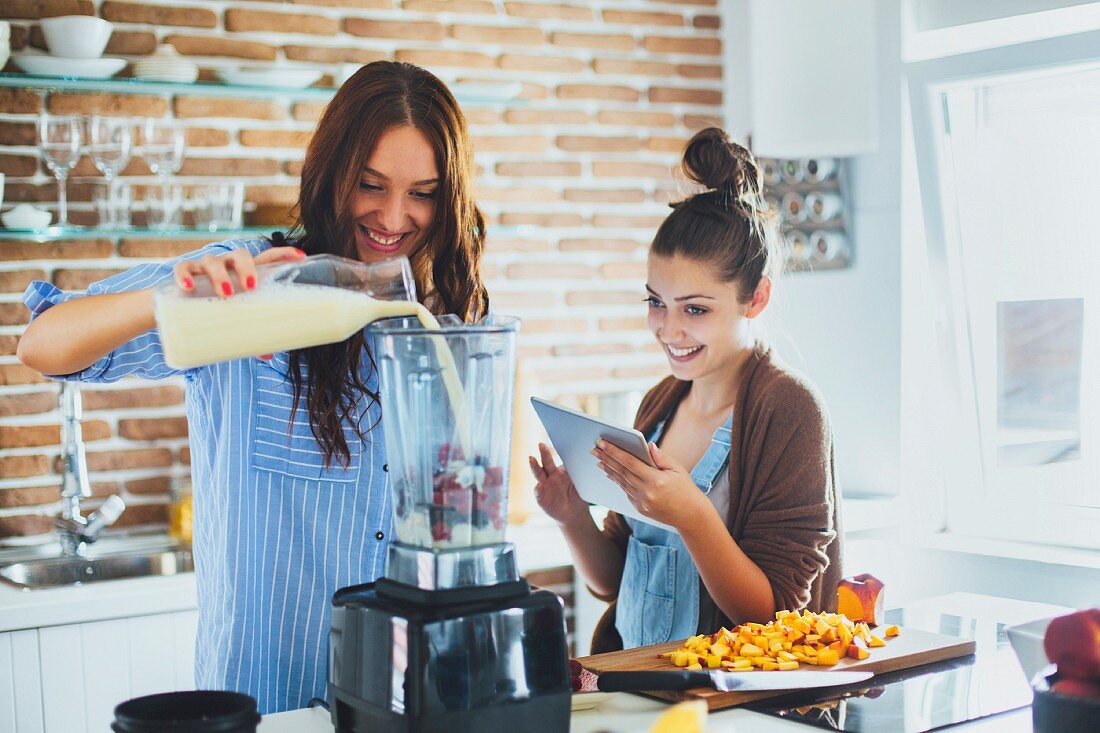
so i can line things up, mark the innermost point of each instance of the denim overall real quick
(659, 595)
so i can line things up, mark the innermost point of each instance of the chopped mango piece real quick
(891, 631)
(875, 641)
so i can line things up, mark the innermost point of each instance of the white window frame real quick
(967, 505)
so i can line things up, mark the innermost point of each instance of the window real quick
(1008, 150)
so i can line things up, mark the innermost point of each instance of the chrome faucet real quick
(75, 532)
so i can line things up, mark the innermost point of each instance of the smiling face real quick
(697, 318)
(395, 202)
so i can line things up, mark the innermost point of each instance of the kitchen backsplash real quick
(575, 175)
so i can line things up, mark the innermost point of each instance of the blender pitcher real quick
(321, 299)
(447, 415)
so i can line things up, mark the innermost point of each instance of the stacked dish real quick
(76, 44)
(166, 64)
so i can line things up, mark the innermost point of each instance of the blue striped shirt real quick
(276, 532)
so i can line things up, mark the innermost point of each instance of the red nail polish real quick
(188, 283)
(250, 283)
(227, 288)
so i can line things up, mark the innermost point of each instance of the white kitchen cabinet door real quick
(20, 683)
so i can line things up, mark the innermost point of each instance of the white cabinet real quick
(68, 679)
(812, 77)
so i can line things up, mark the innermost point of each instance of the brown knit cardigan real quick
(784, 509)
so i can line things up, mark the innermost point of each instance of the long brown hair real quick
(728, 224)
(447, 264)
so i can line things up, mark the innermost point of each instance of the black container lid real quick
(194, 711)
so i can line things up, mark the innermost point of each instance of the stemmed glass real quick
(163, 147)
(109, 141)
(59, 139)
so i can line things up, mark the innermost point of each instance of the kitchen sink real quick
(59, 572)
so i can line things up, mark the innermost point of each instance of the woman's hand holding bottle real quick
(239, 261)
(555, 492)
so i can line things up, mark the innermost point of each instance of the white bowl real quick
(25, 216)
(280, 78)
(41, 65)
(1027, 642)
(76, 36)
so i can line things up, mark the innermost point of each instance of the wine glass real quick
(109, 141)
(59, 138)
(163, 148)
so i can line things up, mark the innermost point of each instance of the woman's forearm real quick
(75, 334)
(738, 586)
(599, 560)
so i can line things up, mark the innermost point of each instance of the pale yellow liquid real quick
(276, 317)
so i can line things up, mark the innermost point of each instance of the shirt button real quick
(385, 467)
(379, 535)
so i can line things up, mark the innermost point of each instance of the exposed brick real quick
(666, 144)
(218, 46)
(33, 436)
(274, 138)
(699, 71)
(505, 35)
(550, 271)
(255, 109)
(137, 105)
(506, 244)
(514, 144)
(547, 117)
(32, 9)
(14, 314)
(272, 194)
(615, 221)
(511, 300)
(515, 194)
(17, 133)
(185, 456)
(308, 111)
(482, 117)
(554, 325)
(133, 12)
(23, 466)
(546, 10)
(631, 270)
(153, 429)
(16, 281)
(158, 248)
(603, 297)
(559, 219)
(30, 496)
(333, 54)
(462, 7)
(642, 119)
(121, 399)
(590, 349)
(131, 43)
(29, 403)
(68, 279)
(207, 137)
(605, 195)
(638, 18)
(246, 19)
(541, 169)
(598, 91)
(600, 42)
(152, 485)
(406, 30)
(683, 44)
(623, 324)
(593, 143)
(528, 62)
(8, 344)
(25, 525)
(633, 67)
(377, 4)
(652, 171)
(599, 244)
(18, 37)
(229, 167)
(136, 166)
(690, 2)
(139, 514)
(660, 95)
(698, 122)
(711, 22)
(556, 375)
(20, 101)
(431, 59)
(80, 249)
(293, 167)
(123, 459)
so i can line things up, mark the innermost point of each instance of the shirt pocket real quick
(646, 606)
(290, 448)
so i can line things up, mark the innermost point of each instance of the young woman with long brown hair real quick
(288, 461)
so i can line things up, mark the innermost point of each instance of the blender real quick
(451, 638)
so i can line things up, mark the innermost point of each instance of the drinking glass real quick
(109, 141)
(112, 201)
(59, 139)
(163, 147)
(162, 206)
(219, 206)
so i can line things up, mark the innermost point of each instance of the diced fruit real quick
(1073, 643)
(861, 598)
(855, 651)
(828, 657)
(891, 631)
(684, 717)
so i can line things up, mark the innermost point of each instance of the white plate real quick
(42, 65)
(280, 78)
(588, 700)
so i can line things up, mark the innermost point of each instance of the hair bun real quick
(718, 163)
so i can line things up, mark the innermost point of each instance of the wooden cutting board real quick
(911, 648)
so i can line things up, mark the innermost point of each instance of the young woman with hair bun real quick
(287, 457)
(742, 444)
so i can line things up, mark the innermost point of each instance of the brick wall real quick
(574, 176)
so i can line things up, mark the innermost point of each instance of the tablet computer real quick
(574, 434)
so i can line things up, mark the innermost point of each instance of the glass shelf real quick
(55, 233)
(478, 94)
